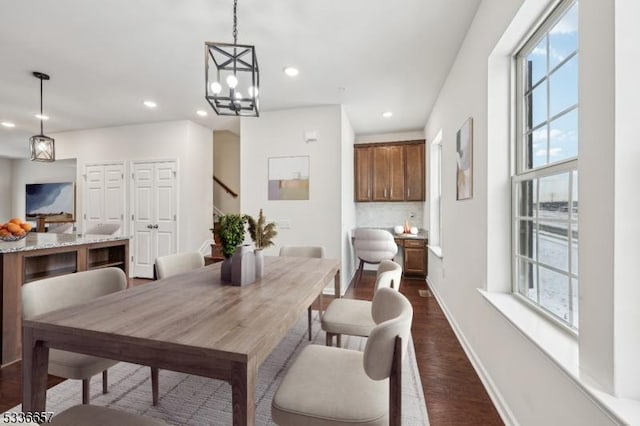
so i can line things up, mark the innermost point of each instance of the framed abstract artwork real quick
(289, 178)
(464, 160)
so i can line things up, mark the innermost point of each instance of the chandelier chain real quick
(235, 22)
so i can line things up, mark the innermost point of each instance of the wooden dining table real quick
(191, 323)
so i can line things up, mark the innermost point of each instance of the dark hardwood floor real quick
(452, 389)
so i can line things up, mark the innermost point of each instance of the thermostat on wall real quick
(310, 136)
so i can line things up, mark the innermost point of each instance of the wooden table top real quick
(197, 314)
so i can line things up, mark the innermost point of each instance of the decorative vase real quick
(259, 263)
(225, 270)
(243, 266)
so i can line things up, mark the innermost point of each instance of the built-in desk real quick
(45, 255)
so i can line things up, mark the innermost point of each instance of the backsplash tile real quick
(389, 214)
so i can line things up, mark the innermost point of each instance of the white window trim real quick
(435, 191)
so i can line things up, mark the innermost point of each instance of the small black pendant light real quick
(42, 147)
(235, 67)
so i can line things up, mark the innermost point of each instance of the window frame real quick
(521, 173)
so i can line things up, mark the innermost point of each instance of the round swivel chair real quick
(373, 246)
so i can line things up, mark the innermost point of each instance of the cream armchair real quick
(166, 266)
(353, 317)
(372, 246)
(39, 297)
(333, 386)
(174, 264)
(304, 251)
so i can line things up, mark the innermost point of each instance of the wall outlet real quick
(283, 224)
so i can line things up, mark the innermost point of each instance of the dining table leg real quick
(35, 365)
(243, 389)
(336, 284)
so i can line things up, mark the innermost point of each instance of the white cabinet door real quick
(154, 214)
(104, 196)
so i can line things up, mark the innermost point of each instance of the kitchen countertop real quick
(422, 233)
(41, 240)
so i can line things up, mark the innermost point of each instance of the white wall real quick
(226, 163)
(349, 220)
(317, 221)
(187, 142)
(27, 171)
(6, 192)
(528, 387)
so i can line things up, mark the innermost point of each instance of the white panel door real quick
(104, 200)
(154, 216)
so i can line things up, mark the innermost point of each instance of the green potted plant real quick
(231, 233)
(262, 234)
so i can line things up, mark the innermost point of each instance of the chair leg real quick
(309, 321)
(339, 340)
(359, 276)
(85, 391)
(329, 340)
(105, 381)
(154, 385)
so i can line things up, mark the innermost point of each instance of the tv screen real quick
(55, 201)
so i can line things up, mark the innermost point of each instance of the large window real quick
(545, 182)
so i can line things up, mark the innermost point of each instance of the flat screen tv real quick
(54, 201)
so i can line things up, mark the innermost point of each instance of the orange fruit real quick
(20, 233)
(4, 233)
(13, 228)
(26, 226)
(16, 220)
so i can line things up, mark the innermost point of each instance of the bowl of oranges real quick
(14, 230)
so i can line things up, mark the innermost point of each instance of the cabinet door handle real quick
(385, 193)
(155, 226)
(150, 226)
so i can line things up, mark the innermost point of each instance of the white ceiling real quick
(106, 57)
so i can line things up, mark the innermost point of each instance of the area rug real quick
(193, 400)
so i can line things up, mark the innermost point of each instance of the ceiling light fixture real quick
(8, 124)
(42, 117)
(201, 113)
(387, 114)
(150, 104)
(235, 65)
(42, 147)
(291, 71)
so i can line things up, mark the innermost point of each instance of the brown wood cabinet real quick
(415, 172)
(389, 171)
(362, 166)
(415, 256)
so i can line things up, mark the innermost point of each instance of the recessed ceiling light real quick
(8, 124)
(387, 114)
(291, 71)
(150, 104)
(201, 113)
(42, 117)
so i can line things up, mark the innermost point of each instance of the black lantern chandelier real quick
(42, 147)
(231, 76)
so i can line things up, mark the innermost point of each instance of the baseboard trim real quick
(496, 397)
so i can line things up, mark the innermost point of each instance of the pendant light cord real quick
(235, 22)
(41, 126)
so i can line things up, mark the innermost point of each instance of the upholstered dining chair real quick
(352, 316)
(166, 266)
(372, 246)
(174, 264)
(304, 251)
(50, 294)
(334, 386)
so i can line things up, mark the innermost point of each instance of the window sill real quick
(437, 250)
(562, 348)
